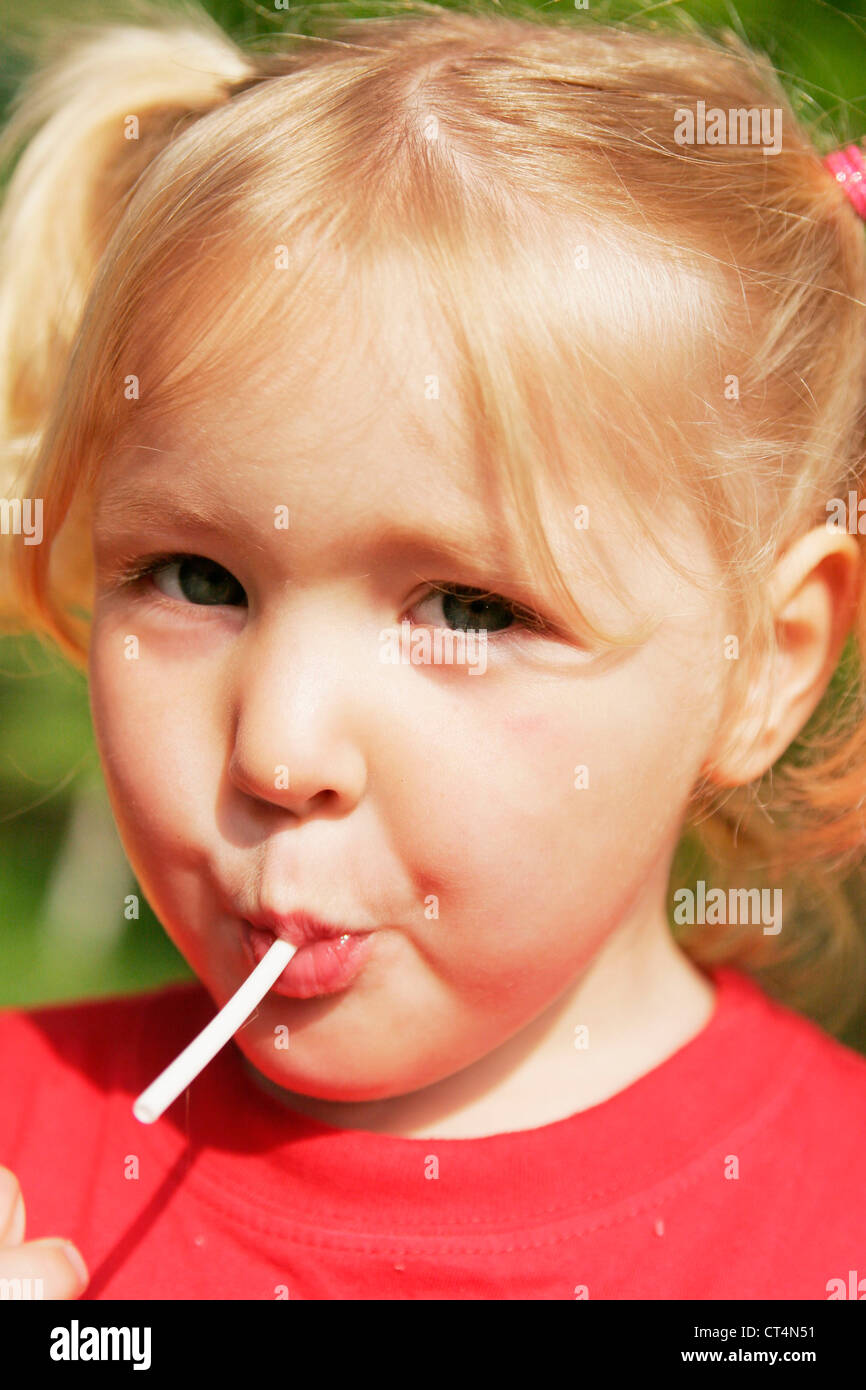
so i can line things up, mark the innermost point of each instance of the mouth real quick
(327, 960)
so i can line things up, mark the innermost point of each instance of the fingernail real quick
(77, 1262)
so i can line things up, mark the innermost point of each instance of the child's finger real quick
(12, 1215)
(49, 1268)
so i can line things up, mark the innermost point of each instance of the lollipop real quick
(186, 1066)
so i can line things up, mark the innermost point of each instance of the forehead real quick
(354, 418)
(357, 429)
(333, 373)
(350, 389)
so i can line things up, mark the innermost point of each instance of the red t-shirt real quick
(736, 1168)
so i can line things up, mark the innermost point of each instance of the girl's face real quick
(435, 804)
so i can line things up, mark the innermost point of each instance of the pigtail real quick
(89, 120)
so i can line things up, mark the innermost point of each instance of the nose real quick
(296, 716)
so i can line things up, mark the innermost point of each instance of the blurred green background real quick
(68, 900)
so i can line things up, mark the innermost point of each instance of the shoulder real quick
(823, 1078)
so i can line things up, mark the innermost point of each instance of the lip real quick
(327, 960)
(300, 928)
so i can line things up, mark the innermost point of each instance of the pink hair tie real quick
(849, 168)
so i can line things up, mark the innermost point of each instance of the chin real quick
(323, 1087)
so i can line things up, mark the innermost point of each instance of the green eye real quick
(194, 579)
(469, 609)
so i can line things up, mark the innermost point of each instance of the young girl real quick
(450, 323)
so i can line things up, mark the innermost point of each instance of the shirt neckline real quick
(245, 1148)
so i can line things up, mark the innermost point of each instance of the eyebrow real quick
(125, 507)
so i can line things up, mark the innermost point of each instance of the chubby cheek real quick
(505, 842)
(538, 836)
(153, 751)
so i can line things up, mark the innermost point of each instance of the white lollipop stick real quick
(195, 1057)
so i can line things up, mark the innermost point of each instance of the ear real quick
(813, 591)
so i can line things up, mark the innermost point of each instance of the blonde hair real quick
(485, 153)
